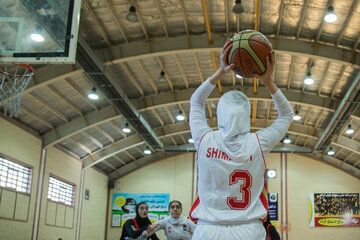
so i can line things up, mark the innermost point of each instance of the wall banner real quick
(124, 205)
(334, 210)
(273, 208)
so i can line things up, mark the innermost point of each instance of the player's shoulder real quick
(207, 138)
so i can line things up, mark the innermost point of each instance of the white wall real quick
(56, 220)
(24, 147)
(93, 214)
(304, 175)
(173, 175)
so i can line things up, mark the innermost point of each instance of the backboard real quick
(39, 31)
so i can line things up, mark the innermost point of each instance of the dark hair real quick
(138, 205)
(175, 201)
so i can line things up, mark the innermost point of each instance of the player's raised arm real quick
(270, 136)
(198, 122)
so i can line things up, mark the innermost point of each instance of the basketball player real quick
(176, 227)
(231, 160)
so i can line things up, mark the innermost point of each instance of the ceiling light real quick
(37, 35)
(330, 16)
(180, 116)
(162, 78)
(131, 16)
(271, 173)
(349, 130)
(308, 80)
(330, 152)
(147, 151)
(287, 140)
(238, 8)
(238, 75)
(93, 95)
(190, 140)
(296, 117)
(126, 129)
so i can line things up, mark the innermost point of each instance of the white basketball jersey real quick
(230, 189)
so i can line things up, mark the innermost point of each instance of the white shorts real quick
(247, 231)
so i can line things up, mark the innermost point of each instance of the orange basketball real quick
(249, 51)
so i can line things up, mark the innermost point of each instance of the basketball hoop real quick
(13, 81)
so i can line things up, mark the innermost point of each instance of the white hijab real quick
(176, 221)
(233, 118)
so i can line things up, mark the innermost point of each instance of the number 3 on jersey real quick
(243, 203)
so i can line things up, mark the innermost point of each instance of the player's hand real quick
(145, 234)
(151, 227)
(266, 77)
(224, 66)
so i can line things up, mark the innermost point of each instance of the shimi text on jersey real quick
(217, 153)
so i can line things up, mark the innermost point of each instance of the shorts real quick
(246, 231)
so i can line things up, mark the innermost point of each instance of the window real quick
(15, 176)
(60, 191)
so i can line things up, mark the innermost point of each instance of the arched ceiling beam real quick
(288, 148)
(49, 74)
(134, 141)
(113, 149)
(164, 47)
(183, 96)
(166, 99)
(176, 129)
(79, 124)
(170, 131)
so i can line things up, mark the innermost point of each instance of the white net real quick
(13, 82)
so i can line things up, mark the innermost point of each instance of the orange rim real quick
(30, 68)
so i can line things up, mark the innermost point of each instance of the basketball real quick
(249, 51)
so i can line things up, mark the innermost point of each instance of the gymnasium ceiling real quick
(123, 60)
